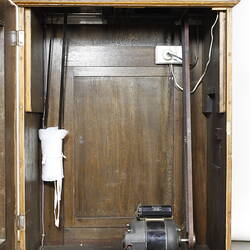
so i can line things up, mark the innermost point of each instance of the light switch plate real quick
(168, 54)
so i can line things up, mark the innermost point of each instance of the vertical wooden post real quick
(20, 132)
(229, 130)
(222, 62)
(187, 143)
(27, 51)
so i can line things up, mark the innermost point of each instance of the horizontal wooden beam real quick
(127, 3)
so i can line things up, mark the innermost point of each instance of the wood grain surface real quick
(122, 133)
(119, 151)
(32, 180)
(216, 153)
(2, 137)
(113, 65)
(195, 3)
(10, 127)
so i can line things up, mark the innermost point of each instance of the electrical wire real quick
(179, 58)
(178, 86)
(174, 78)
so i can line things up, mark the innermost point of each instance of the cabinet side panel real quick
(10, 127)
(216, 151)
(32, 180)
(229, 131)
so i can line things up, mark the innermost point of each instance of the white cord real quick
(174, 77)
(207, 64)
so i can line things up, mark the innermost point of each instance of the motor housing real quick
(155, 233)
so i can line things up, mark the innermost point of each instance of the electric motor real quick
(152, 233)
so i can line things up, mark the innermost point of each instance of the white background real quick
(241, 122)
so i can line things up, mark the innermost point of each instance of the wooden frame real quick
(20, 127)
(2, 146)
(134, 3)
(24, 57)
(229, 128)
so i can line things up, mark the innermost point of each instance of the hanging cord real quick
(58, 183)
(43, 226)
(178, 86)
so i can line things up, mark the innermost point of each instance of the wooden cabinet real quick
(124, 116)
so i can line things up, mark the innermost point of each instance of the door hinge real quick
(20, 222)
(16, 37)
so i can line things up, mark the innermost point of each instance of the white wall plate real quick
(168, 54)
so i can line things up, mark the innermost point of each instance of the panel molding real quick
(72, 218)
(160, 71)
(108, 56)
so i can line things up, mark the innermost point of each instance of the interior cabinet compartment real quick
(125, 120)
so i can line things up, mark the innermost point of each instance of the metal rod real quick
(187, 143)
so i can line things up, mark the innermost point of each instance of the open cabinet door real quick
(11, 126)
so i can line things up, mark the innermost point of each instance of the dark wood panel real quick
(178, 173)
(2, 12)
(177, 144)
(54, 83)
(121, 145)
(216, 154)
(2, 129)
(119, 71)
(120, 56)
(199, 141)
(36, 63)
(111, 36)
(122, 33)
(2, 138)
(96, 236)
(10, 128)
(125, 115)
(206, 3)
(32, 180)
(216, 210)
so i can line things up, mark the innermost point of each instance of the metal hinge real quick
(16, 38)
(20, 222)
